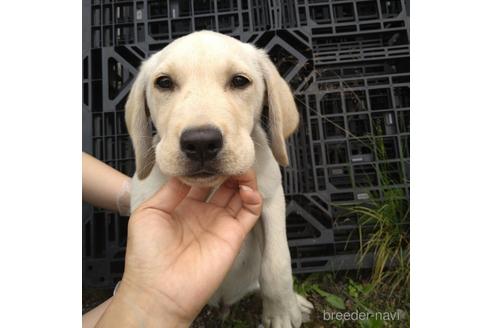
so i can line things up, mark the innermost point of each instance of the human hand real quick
(180, 248)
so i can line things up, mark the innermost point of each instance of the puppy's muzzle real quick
(201, 144)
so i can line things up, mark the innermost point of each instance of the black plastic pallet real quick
(115, 23)
(348, 63)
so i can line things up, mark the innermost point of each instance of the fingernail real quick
(245, 188)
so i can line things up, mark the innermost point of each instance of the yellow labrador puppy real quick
(205, 93)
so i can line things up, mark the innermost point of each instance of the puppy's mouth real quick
(202, 174)
(204, 177)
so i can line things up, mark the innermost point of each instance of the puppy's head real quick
(204, 93)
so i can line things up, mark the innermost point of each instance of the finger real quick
(247, 179)
(169, 196)
(234, 204)
(199, 193)
(224, 194)
(251, 209)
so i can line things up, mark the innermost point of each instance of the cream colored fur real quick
(202, 64)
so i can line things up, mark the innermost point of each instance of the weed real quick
(388, 240)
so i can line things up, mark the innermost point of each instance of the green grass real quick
(387, 218)
(388, 240)
(350, 293)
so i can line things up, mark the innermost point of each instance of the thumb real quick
(251, 207)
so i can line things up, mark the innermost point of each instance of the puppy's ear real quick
(138, 123)
(283, 117)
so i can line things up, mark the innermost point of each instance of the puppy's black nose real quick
(201, 144)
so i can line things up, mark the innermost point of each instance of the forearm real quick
(131, 307)
(90, 319)
(102, 185)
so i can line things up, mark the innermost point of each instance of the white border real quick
(450, 163)
(40, 136)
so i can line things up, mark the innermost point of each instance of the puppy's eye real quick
(240, 81)
(164, 82)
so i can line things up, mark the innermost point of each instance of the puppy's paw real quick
(306, 307)
(286, 312)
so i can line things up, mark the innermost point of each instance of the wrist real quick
(123, 199)
(136, 306)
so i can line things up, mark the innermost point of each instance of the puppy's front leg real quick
(282, 307)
